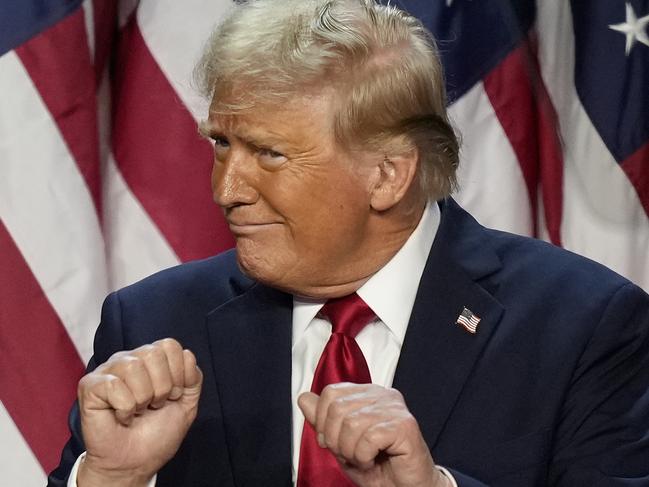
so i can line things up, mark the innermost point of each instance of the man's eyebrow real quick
(205, 129)
(246, 134)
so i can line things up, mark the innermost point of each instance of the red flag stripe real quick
(525, 111)
(39, 365)
(161, 156)
(636, 168)
(105, 28)
(58, 61)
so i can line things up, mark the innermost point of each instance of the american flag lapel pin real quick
(469, 320)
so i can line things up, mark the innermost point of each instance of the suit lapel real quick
(437, 354)
(250, 343)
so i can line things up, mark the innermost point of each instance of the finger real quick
(398, 435)
(374, 439)
(393, 429)
(122, 400)
(327, 396)
(193, 377)
(308, 404)
(352, 429)
(155, 362)
(174, 352)
(343, 408)
(98, 391)
(132, 371)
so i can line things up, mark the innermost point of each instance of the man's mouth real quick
(243, 227)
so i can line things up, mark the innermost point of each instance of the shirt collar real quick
(391, 292)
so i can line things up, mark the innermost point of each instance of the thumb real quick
(308, 403)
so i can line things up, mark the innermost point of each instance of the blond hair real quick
(381, 62)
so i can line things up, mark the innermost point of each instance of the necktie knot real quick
(348, 314)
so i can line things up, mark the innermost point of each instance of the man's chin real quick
(273, 275)
(257, 268)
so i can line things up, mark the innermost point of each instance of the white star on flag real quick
(634, 28)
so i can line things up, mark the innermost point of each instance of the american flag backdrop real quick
(104, 180)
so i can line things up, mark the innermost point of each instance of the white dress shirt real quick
(390, 293)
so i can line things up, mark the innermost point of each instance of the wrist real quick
(90, 475)
(444, 478)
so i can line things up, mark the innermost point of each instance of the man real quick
(513, 363)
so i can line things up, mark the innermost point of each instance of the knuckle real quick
(169, 344)
(85, 385)
(104, 385)
(85, 382)
(395, 394)
(374, 434)
(191, 358)
(351, 422)
(150, 352)
(130, 364)
(327, 393)
(118, 355)
(409, 423)
(337, 407)
(111, 381)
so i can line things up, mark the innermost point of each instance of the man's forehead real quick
(242, 105)
(271, 118)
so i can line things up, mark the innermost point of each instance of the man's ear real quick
(396, 173)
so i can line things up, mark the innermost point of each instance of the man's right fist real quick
(135, 411)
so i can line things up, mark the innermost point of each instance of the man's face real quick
(297, 203)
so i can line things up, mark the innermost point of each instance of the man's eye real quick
(221, 146)
(221, 142)
(269, 153)
(269, 157)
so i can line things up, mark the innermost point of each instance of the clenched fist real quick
(135, 411)
(372, 433)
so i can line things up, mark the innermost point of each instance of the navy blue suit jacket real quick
(553, 389)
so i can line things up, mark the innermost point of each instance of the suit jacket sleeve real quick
(108, 340)
(602, 436)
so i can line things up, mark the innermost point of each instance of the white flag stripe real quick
(41, 189)
(163, 23)
(602, 216)
(88, 14)
(135, 246)
(488, 165)
(18, 464)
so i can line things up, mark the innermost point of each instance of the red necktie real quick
(341, 361)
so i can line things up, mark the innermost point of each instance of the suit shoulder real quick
(556, 280)
(203, 283)
(520, 264)
(547, 262)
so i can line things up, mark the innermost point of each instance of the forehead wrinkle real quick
(299, 134)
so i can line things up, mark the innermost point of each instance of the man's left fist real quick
(372, 433)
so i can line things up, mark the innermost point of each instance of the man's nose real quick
(233, 181)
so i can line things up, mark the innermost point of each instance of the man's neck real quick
(382, 244)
